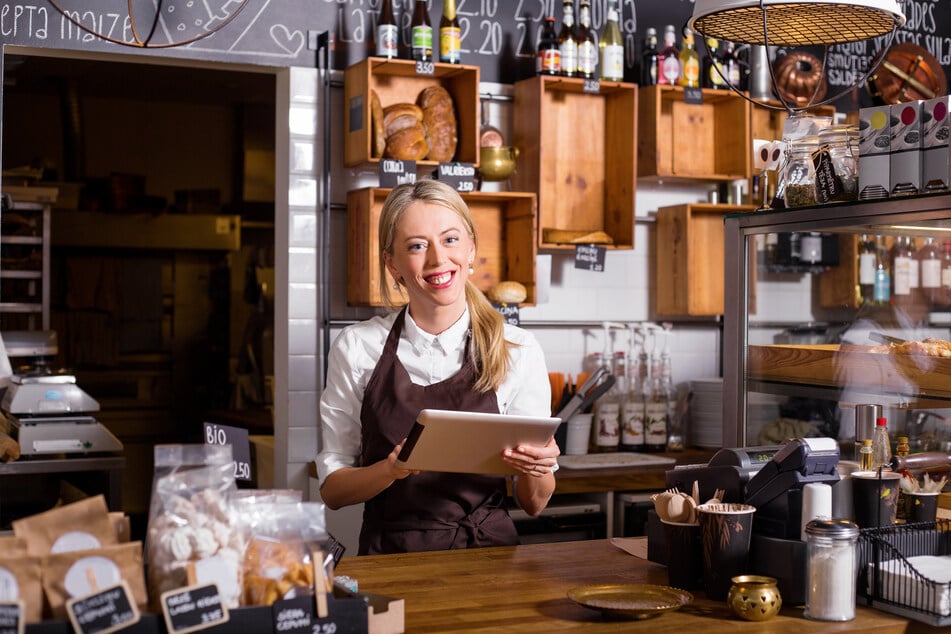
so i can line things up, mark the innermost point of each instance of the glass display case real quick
(833, 306)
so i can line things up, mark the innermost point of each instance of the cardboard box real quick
(905, 158)
(874, 145)
(935, 156)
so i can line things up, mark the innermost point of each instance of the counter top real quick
(640, 478)
(524, 589)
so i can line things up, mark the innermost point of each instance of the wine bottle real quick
(668, 60)
(422, 33)
(387, 32)
(566, 40)
(612, 48)
(548, 55)
(450, 34)
(689, 63)
(649, 59)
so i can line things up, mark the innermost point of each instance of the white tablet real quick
(470, 442)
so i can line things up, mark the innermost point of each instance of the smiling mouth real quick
(440, 278)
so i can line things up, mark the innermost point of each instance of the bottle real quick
(450, 34)
(865, 455)
(548, 56)
(881, 446)
(587, 49)
(668, 60)
(566, 40)
(632, 414)
(903, 277)
(657, 408)
(901, 447)
(421, 33)
(649, 59)
(881, 290)
(944, 298)
(387, 32)
(929, 261)
(731, 67)
(607, 413)
(689, 62)
(866, 257)
(713, 75)
(612, 48)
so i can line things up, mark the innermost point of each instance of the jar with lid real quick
(799, 175)
(832, 568)
(842, 143)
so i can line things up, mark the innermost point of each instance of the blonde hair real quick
(488, 348)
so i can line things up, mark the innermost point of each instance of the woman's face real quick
(432, 252)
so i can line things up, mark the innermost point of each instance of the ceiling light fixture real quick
(794, 23)
(175, 18)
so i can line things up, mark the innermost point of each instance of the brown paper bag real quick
(82, 525)
(20, 580)
(73, 574)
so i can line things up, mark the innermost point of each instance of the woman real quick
(448, 349)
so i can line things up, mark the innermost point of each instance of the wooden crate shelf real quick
(708, 141)
(505, 222)
(396, 81)
(689, 259)
(578, 153)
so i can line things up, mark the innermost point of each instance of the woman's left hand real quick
(533, 460)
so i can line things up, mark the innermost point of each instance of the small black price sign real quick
(589, 257)
(425, 68)
(828, 184)
(395, 172)
(103, 611)
(693, 95)
(193, 608)
(298, 616)
(12, 620)
(461, 176)
(240, 446)
(592, 86)
(509, 312)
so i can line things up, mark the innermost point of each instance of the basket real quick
(906, 570)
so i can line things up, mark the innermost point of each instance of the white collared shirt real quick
(428, 359)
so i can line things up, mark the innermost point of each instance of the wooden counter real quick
(524, 589)
(646, 478)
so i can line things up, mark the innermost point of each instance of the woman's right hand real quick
(395, 472)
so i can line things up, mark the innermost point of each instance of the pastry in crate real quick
(930, 346)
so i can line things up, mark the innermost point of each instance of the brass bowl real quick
(497, 163)
(754, 598)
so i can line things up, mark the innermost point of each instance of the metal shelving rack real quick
(31, 296)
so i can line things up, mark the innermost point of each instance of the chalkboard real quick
(499, 36)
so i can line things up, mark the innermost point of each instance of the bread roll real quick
(376, 121)
(439, 120)
(408, 144)
(400, 116)
(508, 292)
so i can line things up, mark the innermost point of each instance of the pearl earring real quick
(471, 270)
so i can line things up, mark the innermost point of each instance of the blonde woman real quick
(447, 349)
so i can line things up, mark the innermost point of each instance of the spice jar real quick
(842, 144)
(832, 567)
(799, 176)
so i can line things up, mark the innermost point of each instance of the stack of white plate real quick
(706, 413)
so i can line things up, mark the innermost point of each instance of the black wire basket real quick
(897, 566)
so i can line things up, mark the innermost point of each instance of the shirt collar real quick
(453, 338)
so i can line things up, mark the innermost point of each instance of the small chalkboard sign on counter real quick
(395, 172)
(12, 620)
(461, 176)
(193, 608)
(590, 257)
(103, 611)
(240, 446)
(298, 615)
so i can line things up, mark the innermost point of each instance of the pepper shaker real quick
(832, 568)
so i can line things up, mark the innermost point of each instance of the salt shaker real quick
(832, 567)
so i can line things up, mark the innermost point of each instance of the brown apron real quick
(426, 511)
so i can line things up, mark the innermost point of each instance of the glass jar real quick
(799, 175)
(832, 567)
(842, 141)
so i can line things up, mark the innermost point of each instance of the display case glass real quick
(812, 295)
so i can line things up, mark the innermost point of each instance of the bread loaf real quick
(439, 121)
(408, 144)
(508, 292)
(376, 121)
(400, 116)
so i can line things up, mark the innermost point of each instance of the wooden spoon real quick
(677, 508)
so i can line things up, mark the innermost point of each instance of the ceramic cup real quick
(874, 498)
(725, 531)
(578, 435)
